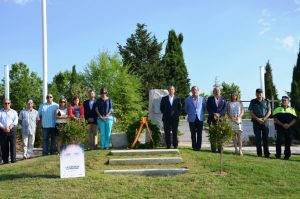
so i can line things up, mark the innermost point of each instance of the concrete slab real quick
(147, 171)
(144, 151)
(131, 161)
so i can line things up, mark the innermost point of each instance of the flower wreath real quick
(133, 128)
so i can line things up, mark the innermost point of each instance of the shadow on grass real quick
(4, 177)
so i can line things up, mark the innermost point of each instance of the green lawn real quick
(247, 177)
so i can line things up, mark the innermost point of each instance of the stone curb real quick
(144, 152)
(148, 161)
(148, 171)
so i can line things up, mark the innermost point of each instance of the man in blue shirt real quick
(195, 108)
(47, 115)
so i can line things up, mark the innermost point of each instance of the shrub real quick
(74, 132)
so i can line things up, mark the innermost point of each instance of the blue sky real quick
(224, 39)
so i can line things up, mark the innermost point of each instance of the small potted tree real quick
(220, 133)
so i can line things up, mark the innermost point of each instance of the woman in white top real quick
(61, 119)
(235, 113)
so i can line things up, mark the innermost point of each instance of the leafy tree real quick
(220, 133)
(1, 91)
(228, 89)
(69, 84)
(295, 94)
(270, 89)
(142, 56)
(23, 85)
(175, 69)
(123, 87)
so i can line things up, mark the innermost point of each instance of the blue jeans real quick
(105, 131)
(46, 133)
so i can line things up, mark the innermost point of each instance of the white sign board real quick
(72, 161)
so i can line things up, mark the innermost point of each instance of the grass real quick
(247, 177)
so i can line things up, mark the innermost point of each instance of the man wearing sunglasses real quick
(8, 123)
(28, 119)
(47, 113)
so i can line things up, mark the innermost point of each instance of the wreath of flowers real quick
(133, 128)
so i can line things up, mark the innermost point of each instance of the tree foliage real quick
(142, 56)
(174, 66)
(69, 84)
(270, 89)
(295, 93)
(123, 87)
(23, 85)
(220, 133)
(228, 89)
(2, 91)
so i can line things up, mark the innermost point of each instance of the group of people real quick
(98, 114)
(195, 106)
(52, 117)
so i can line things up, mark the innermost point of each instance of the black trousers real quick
(8, 145)
(287, 135)
(261, 132)
(171, 125)
(196, 133)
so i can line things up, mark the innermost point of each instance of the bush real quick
(74, 132)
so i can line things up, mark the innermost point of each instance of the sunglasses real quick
(62, 102)
(6, 103)
(29, 102)
(49, 97)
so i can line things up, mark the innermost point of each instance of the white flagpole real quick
(6, 79)
(45, 52)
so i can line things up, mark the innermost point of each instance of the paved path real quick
(185, 141)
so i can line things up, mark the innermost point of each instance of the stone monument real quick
(155, 115)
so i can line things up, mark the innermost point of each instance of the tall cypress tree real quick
(295, 93)
(174, 66)
(142, 54)
(270, 89)
(295, 86)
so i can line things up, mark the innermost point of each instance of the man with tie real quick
(170, 107)
(90, 116)
(216, 108)
(195, 109)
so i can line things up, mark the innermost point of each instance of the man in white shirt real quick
(28, 119)
(170, 107)
(8, 123)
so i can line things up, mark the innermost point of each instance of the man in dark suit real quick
(216, 108)
(170, 107)
(90, 116)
